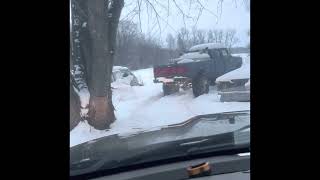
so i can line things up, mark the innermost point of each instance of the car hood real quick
(199, 126)
(241, 73)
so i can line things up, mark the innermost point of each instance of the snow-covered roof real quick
(207, 45)
(192, 57)
(195, 55)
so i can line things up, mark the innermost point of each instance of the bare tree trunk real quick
(114, 13)
(103, 25)
(94, 30)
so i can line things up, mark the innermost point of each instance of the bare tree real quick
(95, 24)
(218, 36)
(135, 50)
(210, 36)
(128, 38)
(170, 41)
(170, 44)
(181, 43)
(194, 38)
(230, 38)
(226, 37)
(201, 36)
(198, 36)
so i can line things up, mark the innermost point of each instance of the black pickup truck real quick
(197, 68)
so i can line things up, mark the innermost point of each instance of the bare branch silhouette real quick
(201, 5)
(139, 5)
(157, 15)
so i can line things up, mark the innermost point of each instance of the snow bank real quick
(142, 108)
(84, 96)
(207, 45)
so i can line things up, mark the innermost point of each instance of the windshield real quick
(128, 100)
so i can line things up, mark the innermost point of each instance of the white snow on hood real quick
(195, 55)
(241, 73)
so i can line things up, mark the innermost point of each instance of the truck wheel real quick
(200, 85)
(170, 88)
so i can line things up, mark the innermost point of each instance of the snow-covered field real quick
(141, 108)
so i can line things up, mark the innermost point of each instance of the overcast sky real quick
(232, 15)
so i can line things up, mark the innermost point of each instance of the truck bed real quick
(189, 69)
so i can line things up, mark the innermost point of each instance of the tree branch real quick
(199, 14)
(132, 11)
(157, 15)
(201, 5)
(139, 5)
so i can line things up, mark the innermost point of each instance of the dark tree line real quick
(187, 38)
(136, 51)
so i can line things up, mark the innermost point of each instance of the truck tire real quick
(200, 85)
(170, 88)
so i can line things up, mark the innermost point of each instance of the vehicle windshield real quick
(129, 104)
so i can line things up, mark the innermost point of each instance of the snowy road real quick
(144, 108)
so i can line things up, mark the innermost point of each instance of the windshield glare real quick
(157, 79)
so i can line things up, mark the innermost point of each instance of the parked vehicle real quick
(235, 85)
(125, 76)
(197, 68)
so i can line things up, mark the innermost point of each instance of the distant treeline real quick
(238, 50)
(136, 50)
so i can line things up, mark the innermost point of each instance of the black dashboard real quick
(222, 168)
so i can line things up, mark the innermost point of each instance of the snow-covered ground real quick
(141, 108)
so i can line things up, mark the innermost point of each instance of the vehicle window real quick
(224, 52)
(145, 79)
(214, 54)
